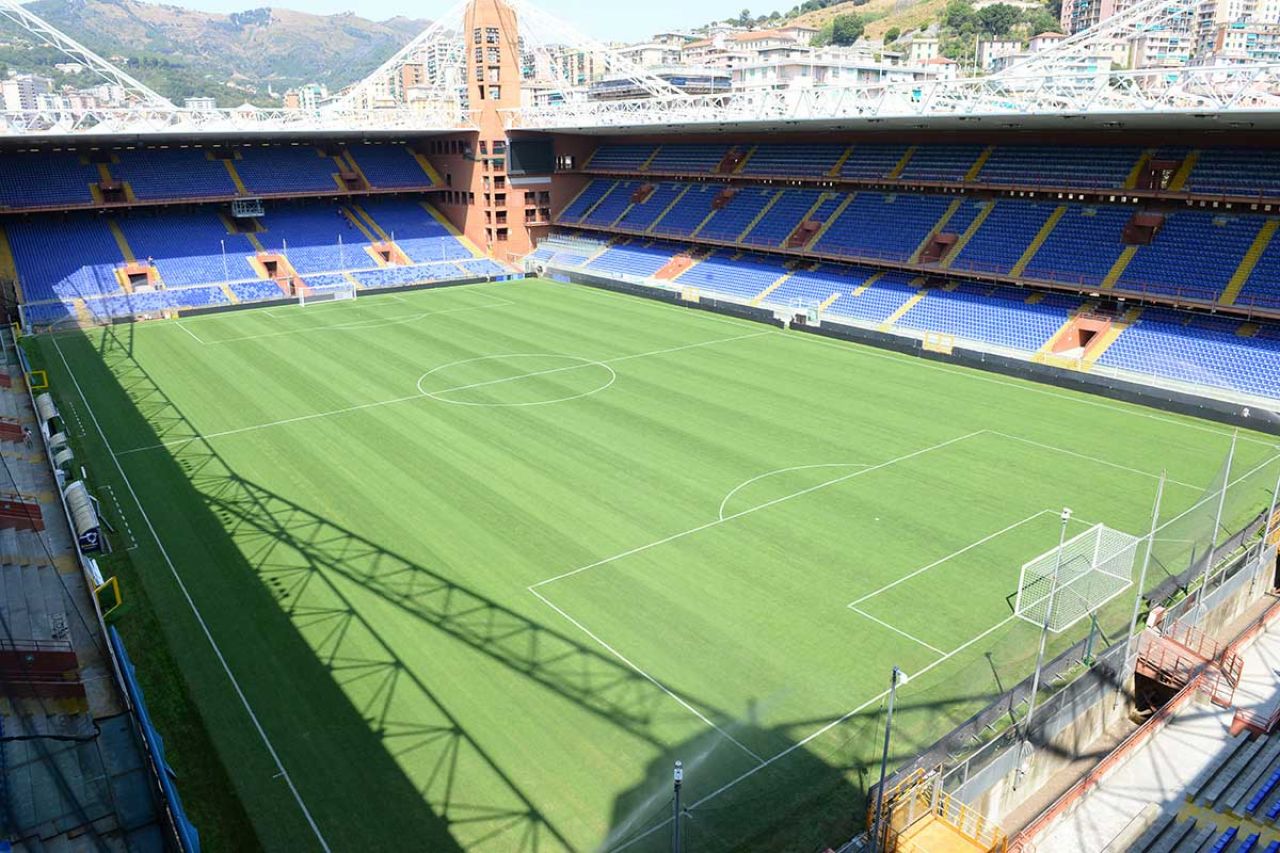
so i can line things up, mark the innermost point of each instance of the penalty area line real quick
(655, 682)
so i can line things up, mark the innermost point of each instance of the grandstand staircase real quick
(979, 164)
(1139, 169)
(668, 208)
(806, 227)
(755, 220)
(1037, 241)
(911, 302)
(826, 226)
(1179, 179)
(423, 162)
(774, 285)
(963, 240)
(678, 265)
(734, 159)
(936, 233)
(1118, 268)
(834, 171)
(897, 170)
(349, 177)
(448, 226)
(1175, 653)
(1249, 261)
(1084, 337)
(229, 164)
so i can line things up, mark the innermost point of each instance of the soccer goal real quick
(326, 292)
(1091, 569)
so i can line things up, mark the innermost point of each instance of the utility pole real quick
(678, 776)
(896, 677)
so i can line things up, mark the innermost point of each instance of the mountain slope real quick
(182, 52)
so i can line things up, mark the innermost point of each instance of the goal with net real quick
(327, 292)
(1072, 581)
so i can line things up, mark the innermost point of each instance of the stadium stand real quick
(38, 179)
(169, 173)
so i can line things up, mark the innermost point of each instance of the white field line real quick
(1079, 455)
(1031, 388)
(745, 483)
(421, 396)
(819, 733)
(673, 537)
(204, 627)
(647, 676)
(984, 540)
(898, 631)
(183, 327)
(356, 325)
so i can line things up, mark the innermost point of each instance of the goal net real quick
(1091, 569)
(326, 292)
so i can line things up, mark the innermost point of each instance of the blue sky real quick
(624, 20)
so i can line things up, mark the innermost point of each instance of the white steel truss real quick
(52, 36)
(1201, 90)
(1054, 86)
(1100, 40)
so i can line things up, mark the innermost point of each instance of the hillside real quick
(881, 15)
(181, 52)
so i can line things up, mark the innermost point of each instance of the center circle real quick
(516, 379)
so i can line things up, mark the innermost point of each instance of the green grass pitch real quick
(485, 561)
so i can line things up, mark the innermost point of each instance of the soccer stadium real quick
(888, 469)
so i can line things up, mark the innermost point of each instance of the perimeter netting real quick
(1092, 569)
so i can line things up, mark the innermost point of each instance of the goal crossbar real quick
(1091, 569)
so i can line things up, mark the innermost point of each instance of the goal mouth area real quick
(1092, 569)
(312, 294)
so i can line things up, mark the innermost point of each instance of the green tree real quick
(998, 18)
(744, 18)
(892, 35)
(960, 18)
(846, 29)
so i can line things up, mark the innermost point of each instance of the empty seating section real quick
(997, 316)
(1043, 165)
(792, 160)
(633, 260)
(422, 237)
(578, 206)
(286, 169)
(482, 266)
(688, 213)
(1235, 171)
(688, 159)
(949, 163)
(808, 287)
(315, 238)
(1161, 344)
(879, 225)
(885, 295)
(735, 274)
(784, 217)
(612, 205)
(256, 291)
(640, 216)
(1003, 236)
(44, 179)
(870, 162)
(161, 173)
(620, 158)
(1263, 285)
(1062, 256)
(730, 221)
(64, 257)
(186, 245)
(1194, 255)
(389, 166)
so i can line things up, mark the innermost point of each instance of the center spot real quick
(516, 379)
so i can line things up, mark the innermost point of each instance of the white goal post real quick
(1092, 569)
(307, 294)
